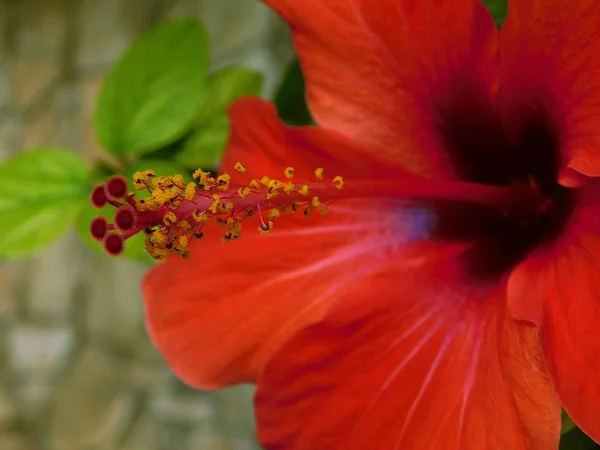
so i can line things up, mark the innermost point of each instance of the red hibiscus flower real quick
(450, 297)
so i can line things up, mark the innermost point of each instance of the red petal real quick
(550, 51)
(559, 290)
(413, 359)
(218, 317)
(376, 71)
(261, 142)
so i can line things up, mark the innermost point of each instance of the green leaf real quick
(153, 94)
(497, 9)
(567, 423)
(41, 192)
(290, 98)
(576, 440)
(204, 148)
(205, 145)
(134, 246)
(228, 85)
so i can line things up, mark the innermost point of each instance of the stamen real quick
(175, 213)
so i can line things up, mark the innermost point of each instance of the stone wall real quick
(77, 370)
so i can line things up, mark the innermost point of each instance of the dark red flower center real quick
(483, 149)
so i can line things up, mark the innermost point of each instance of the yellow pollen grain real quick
(315, 202)
(289, 172)
(339, 182)
(190, 191)
(265, 180)
(255, 184)
(303, 190)
(169, 218)
(239, 167)
(319, 173)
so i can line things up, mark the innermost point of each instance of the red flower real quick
(468, 219)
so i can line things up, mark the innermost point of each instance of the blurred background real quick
(77, 369)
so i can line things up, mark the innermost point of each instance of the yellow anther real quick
(264, 229)
(178, 180)
(289, 187)
(255, 184)
(319, 173)
(158, 253)
(272, 193)
(274, 214)
(162, 182)
(215, 205)
(184, 225)
(303, 190)
(323, 210)
(226, 207)
(200, 217)
(339, 182)
(169, 218)
(204, 178)
(182, 243)
(223, 181)
(141, 204)
(275, 184)
(140, 180)
(158, 239)
(190, 191)
(265, 180)
(198, 174)
(147, 204)
(221, 222)
(316, 203)
(244, 192)
(239, 167)
(289, 172)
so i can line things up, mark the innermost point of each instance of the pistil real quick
(176, 212)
